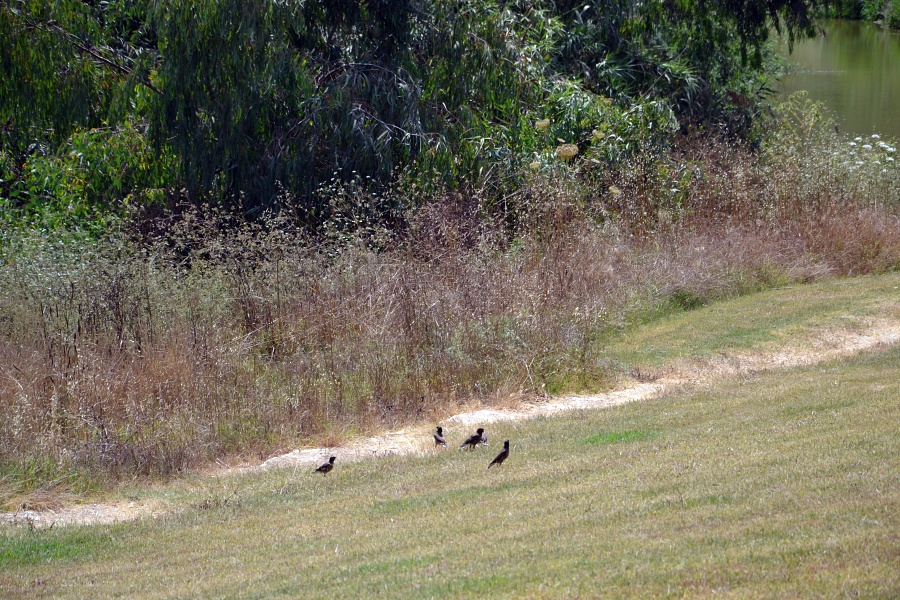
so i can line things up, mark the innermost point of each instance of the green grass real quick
(784, 484)
(619, 436)
(37, 548)
(759, 321)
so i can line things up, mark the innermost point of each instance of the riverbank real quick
(838, 320)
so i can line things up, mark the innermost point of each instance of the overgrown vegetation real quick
(883, 12)
(215, 336)
(228, 226)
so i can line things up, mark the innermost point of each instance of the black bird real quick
(439, 437)
(504, 454)
(474, 439)
(326, 467)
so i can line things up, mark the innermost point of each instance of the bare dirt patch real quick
(84, 514)
(825, 345)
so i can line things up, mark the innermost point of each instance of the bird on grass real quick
(323, 469)
(474, 439)
(504, 454)
(439, 438)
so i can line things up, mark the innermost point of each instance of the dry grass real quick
(224, 339)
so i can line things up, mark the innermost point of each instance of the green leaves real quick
(247, 102)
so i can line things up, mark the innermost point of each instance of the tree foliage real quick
(249, 102)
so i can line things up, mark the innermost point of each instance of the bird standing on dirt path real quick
(473, 440)
(504, 454)
(323, 469)
(439, 438)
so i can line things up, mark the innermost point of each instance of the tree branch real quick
(73, 39)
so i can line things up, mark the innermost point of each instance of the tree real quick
(247, 102)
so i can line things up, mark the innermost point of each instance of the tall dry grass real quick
(223, 338)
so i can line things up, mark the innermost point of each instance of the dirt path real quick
(825, 345)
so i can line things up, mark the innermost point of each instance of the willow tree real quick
(699, 54)
(261, 96)
(71, 73)
(247, 102)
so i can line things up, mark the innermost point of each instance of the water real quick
(855, 70)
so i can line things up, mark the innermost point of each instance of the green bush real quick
(894, 18)
(94, 179)
(873, 10)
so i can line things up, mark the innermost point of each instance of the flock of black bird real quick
(479, 437)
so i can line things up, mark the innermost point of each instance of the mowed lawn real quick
(780, 484)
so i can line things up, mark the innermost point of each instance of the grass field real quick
(761, 322)
(778, 484)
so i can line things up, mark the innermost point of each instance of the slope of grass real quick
(784, 484)
(760, 322)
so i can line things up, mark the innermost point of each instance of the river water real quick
(854, 68)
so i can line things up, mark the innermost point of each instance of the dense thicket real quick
(259, 104)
